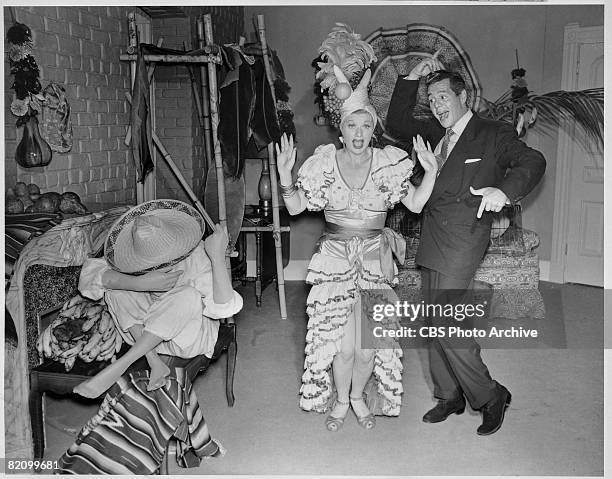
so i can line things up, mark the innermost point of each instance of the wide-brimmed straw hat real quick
(153, 235)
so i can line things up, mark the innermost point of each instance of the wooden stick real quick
(214, 114)
(132, 47)
(273, 180)
(194, 91)
(175, 58)
(205, 106)
(201, 120)
(213, 93)
(181, 179)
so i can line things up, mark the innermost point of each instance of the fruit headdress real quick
(358, 98)
(346, 50)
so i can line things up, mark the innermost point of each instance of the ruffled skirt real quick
(337, 287)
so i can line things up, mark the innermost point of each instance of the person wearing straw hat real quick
(354, 186)
(164, 288)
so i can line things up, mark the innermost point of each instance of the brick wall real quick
(79, 47)
(176, 118)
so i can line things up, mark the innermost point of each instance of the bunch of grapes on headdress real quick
(26, 73)
(345, 49)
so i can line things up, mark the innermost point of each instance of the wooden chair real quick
(50, 376)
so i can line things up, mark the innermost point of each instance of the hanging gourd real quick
(33, 150)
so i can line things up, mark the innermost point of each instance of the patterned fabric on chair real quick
(514, 277)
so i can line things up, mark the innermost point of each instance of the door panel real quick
(584, 253)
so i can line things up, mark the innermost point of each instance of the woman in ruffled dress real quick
(354, 186)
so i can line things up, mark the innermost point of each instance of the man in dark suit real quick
(482, 166)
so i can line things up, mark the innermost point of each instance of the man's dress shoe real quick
(445, 408)
(493, 412)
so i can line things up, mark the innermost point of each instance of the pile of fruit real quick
(28, 199)
(83, 329)
(332, 102)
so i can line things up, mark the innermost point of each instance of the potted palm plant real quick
(548, 111)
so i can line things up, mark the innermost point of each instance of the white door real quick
(585, 231)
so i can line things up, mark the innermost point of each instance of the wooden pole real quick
(196, 96)
(214, 122)
(273, 180)
(208, 149)
(132, 47)
(211, 58)
(213, 93)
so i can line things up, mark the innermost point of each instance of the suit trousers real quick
(455, 364)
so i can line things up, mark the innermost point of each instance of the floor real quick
(554, 425)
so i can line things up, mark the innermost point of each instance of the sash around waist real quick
(337, 232)
(390, 243)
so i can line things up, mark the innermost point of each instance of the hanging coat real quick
(236, 109)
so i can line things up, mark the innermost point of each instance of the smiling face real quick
(357, 130)
(445, 104)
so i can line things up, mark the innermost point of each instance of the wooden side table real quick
(257, 222)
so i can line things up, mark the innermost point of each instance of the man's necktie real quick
(443, 156)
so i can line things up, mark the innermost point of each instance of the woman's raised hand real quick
(285, 158)
(425, 154)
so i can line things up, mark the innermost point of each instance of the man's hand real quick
(215, 244)
(493, 199)
(158, 281)
(425, 67)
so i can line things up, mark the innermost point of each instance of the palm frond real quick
(554, 109)
(586, 107)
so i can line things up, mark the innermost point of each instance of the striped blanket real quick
(130, 432)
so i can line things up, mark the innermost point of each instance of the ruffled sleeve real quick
(224, 310)
(90, 279)
(197, 273)
(316, 175)
(391, 173)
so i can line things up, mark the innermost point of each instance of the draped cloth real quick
(140, 114)
(130, 432)
(140, 118)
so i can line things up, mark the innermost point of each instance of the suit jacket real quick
(453, 241)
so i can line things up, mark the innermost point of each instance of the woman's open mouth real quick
(358, 144)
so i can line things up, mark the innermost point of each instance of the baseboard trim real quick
(545, 270)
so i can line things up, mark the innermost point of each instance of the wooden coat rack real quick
(208, 110)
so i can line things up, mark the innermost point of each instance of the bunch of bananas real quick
(83, 329)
